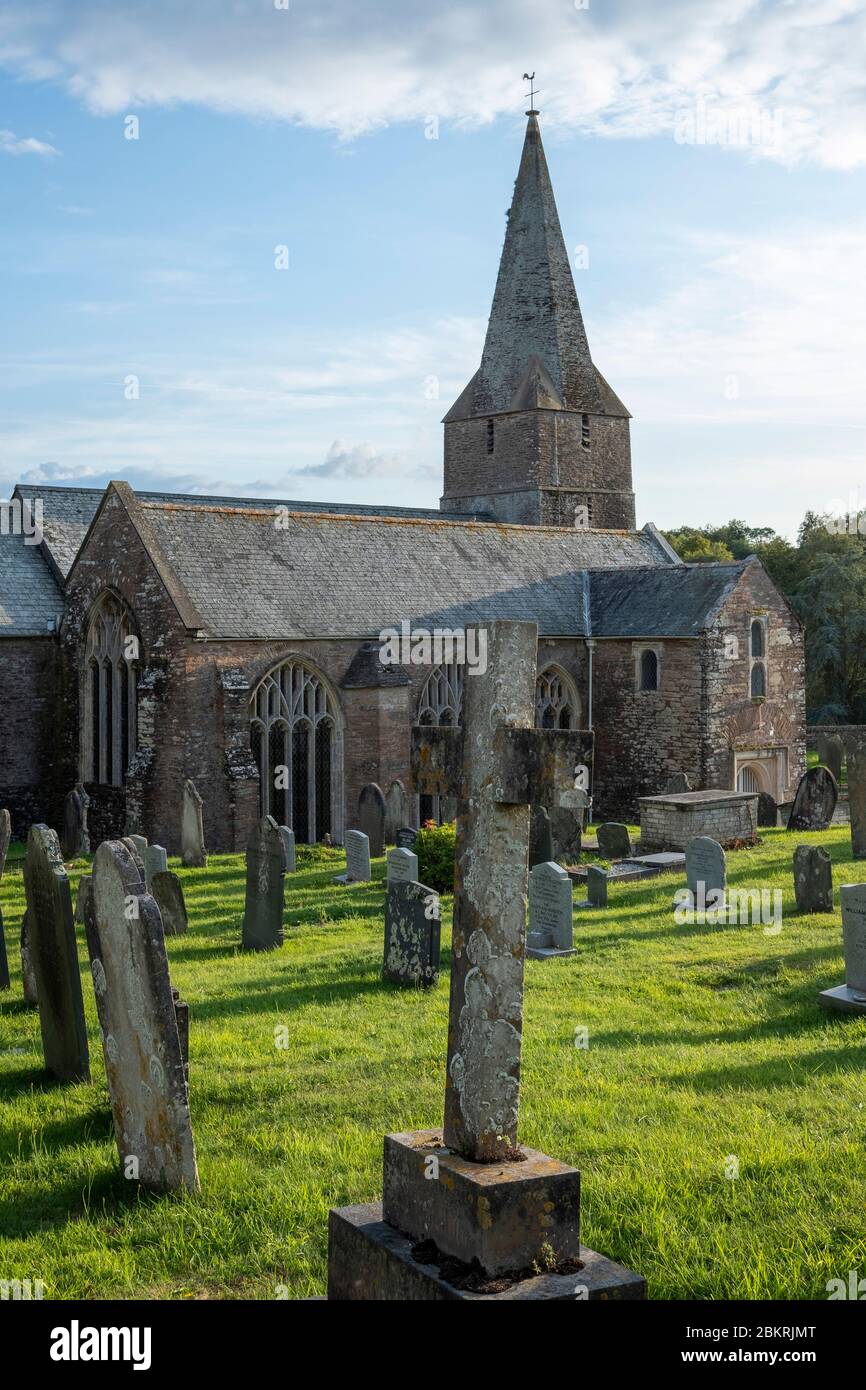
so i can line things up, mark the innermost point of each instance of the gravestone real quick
(813, 879)
(540, 837)
(85, 883)
(706, 868)
(371, 817)
(145, 1063)
(74, 837)
(193, 852)
(495, 1205)
(54, 956)
(167, 891)
(28, 976)
(5, 837)
(4, 959)
(266, 889)
(677, 782)
(831, 751)
(357, 858)
(140, 842)
(402, 866)
(596, 886)
(566, 827)
(815, 800)
(406, 837)
(613, 840)
(551, 927)
(855, 756)
(155, 861)
(288, 837)
(395, 810)
(768, 811)
(412, 929)
(851, 996)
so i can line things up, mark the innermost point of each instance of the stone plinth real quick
(669, 822)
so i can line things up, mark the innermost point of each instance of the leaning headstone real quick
(28, 976)
(768, 810)
(167, 891)
(5, 837)
(140, 842)
(677, 783)
(830, 753)
(155, 861)
(613, 840)
(402, 866)
(371, 817)
(266, 868)
(54, 954)
(815, 800)
(85, 884)
(851, 997)
(596, 886)
(4, 959)
(706, 869)
(74, 836)
(412, 930)
(138, 1018)
(406, 837)
(540, 837)
(288, 837)
(357, 858)
(395, 810)
(813, 879)
(551, 924)
(193, 852)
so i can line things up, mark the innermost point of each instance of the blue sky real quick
(724, 295)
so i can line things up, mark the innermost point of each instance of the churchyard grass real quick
(706, 1051)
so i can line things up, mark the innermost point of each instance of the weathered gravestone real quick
(402, 866)
(406, 837)
(855, 754)
(613, 840)
(596, 886)
(412, 930)
(145, 1062)
(193, 852)
(566, 827)
(676, 783)
(4, 959)
(815, 800)
(371, 817)
(813, 879)
(706, 873)
(266, 867)
(540, 837)
(551, 927)
(395, 810)
(831, 751)
(54, 956)
(851, 997)
(768, 811)
(357, 858)
(5, 837)
(167, 891)
(74, 837)
(140, 842)
(85, 884)
(155, 861)
(288, 838)
(485, 1204)
(28, 975)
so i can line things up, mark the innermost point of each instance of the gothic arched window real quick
(758, 681)
(757, 637)
(109, 725)
(649, 671)
(296, 736)
(557, 705)
(441, 703)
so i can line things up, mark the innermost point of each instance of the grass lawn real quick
(704, 1043)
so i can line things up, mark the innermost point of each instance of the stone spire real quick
(536, 331)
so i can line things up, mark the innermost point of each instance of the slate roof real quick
(31, 601)
(661, 601)
(351, 576)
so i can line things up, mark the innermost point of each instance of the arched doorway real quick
(296, 735)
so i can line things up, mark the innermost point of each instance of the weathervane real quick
(530, 78)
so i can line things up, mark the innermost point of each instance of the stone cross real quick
(496, 765)
(144, 1026)
(54, 956)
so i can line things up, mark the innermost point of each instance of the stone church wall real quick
(28, 700)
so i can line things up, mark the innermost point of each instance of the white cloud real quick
(356, 461)
(627, 68)
(10, 143)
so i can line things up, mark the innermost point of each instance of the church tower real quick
(538, 433)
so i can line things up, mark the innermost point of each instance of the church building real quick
(148, 638)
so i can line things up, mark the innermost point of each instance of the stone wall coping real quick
(686, 801)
